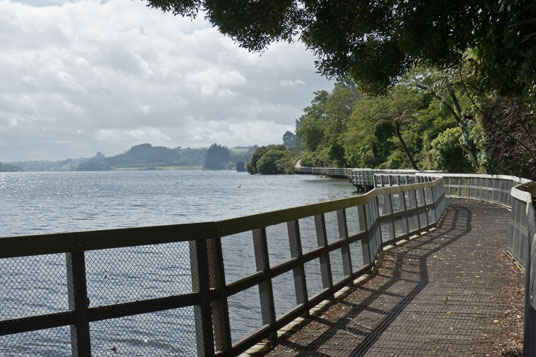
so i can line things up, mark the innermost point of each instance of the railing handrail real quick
(378, 212)
(52, 243)
(469, 175)
(516, 193)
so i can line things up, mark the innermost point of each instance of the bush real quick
(271, 160)
(447, 153)
(268, 164)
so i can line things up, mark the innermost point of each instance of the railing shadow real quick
(370, 336)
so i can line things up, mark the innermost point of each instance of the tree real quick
(323, 123)
(447, 153)
(251, 166)
(272, 159)
(217, 157)
(375, 42)
(9, 168)
(269, 162)
(291, 140)
(510, 136)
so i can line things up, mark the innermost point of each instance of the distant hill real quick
(9, 168)
(139, 157)
(146, 157)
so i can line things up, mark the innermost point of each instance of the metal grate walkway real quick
(451, 292)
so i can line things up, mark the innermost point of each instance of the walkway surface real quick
(451, 292)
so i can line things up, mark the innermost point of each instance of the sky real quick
(88, 76)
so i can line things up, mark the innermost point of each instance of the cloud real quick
(103, 76)
(294, 83)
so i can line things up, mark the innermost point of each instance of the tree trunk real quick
(406, 150)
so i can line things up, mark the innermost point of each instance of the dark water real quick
(34, 203)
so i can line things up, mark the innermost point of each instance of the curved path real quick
(453, 291)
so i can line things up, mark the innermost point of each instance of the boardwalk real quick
(451, 292)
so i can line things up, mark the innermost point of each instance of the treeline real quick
(431, 119)
(9, 168)
(147, 157)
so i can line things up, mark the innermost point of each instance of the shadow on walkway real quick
(352, 326)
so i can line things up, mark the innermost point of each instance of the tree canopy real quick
(217, 157)
(375, 42)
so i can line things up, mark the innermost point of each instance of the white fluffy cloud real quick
(79, 77)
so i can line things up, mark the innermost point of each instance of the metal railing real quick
(358, 176)
(517, 194)
(289, 260)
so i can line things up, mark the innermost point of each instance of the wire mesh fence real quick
(214, 287)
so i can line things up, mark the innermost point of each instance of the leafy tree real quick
(509, 136)
(251, 166)
(272, 159)
(323, 123)
(375, 42)
(269, 163)
(9, 168)
(291, 140)
(447, 152)
(217, 157)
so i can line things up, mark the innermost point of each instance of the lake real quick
(35, 203)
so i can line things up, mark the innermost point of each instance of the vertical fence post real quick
(377, 199)
(322, 241)
(404, 208)
(200, 284)
(415, 204)
(423, 193)
(388, 204)
(363, 226)
(220, 309)
(345, 249)
(266, 293)
(78, 302)
(296, 251)
(434, 206)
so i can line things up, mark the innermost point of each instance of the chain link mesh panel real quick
(137, 273)
(356, 253)
(47, 343)
(238, 256)
(162, 333)
(278, 243)
(352, 221)
(284, 293)
(33, 285)
(332, 226)
(308, 234)
(244, 313)
(337, 272)
(314, 277)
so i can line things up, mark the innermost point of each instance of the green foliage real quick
(375, 42)
(323, 123)
(217, 157)
(271, 160)
(9, 168)
(291, 140)
(251, 166)
(144, 157)
(447, 153)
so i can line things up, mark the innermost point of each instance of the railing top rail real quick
(17, 246)
(524, 192)
(501, 177)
